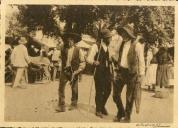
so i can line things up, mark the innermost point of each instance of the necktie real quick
(107, 57)
(120, 53)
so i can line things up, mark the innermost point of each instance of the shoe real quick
(22, 87)
(99, 114)
(153, 88)
(149, 88)
(104, 112)
(60, 109)
(72, 107)
(137, 111)
(126, 120)
(14, 86)
(116, 119)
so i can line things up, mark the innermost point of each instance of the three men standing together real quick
(129, 68)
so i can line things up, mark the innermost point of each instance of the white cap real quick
(83, 44)
(89, 39)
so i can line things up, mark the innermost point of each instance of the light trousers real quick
(21, 73)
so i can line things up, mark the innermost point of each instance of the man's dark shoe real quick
(72, 107)
(60, 109)
(99, 114)
(137, 111)
(104, 112)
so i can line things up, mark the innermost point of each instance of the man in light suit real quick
(20, 61)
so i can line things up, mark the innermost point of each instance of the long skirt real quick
(171, 75)
(162, 78)
(150, 77)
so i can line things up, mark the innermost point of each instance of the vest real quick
(133, 64)
(75, 58)
(103, 59)
(64, 52)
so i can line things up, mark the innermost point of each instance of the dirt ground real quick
(37, 103)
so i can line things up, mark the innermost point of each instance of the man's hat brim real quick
(83, 44)
(65, 35)
(22, 42)
(75, 36)
(128, 31)
(105, 33)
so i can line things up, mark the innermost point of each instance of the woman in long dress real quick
(171, 67)
(163, 73)
(151, 67)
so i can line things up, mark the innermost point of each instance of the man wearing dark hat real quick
(99, 57)
(72, 64)
(130, 66)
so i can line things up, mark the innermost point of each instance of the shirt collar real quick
(105, 47)
(128, 42)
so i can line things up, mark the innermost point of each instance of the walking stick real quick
(93, 80)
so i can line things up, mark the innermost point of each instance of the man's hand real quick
(13, 67)
(96, 63)
(10, 67)
(74, 74)
(114, 61)
(30, 64)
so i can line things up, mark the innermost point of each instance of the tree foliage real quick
(154, 22)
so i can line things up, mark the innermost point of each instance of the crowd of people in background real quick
(118, 58)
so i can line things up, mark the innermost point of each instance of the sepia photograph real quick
(89, 63)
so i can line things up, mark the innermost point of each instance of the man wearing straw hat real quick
(131, 68)
(86, 43)
(99, 57)
(72, 64)
(20, 61)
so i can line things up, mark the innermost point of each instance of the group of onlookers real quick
(159, 66)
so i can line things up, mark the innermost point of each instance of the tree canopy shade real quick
(154, 22)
